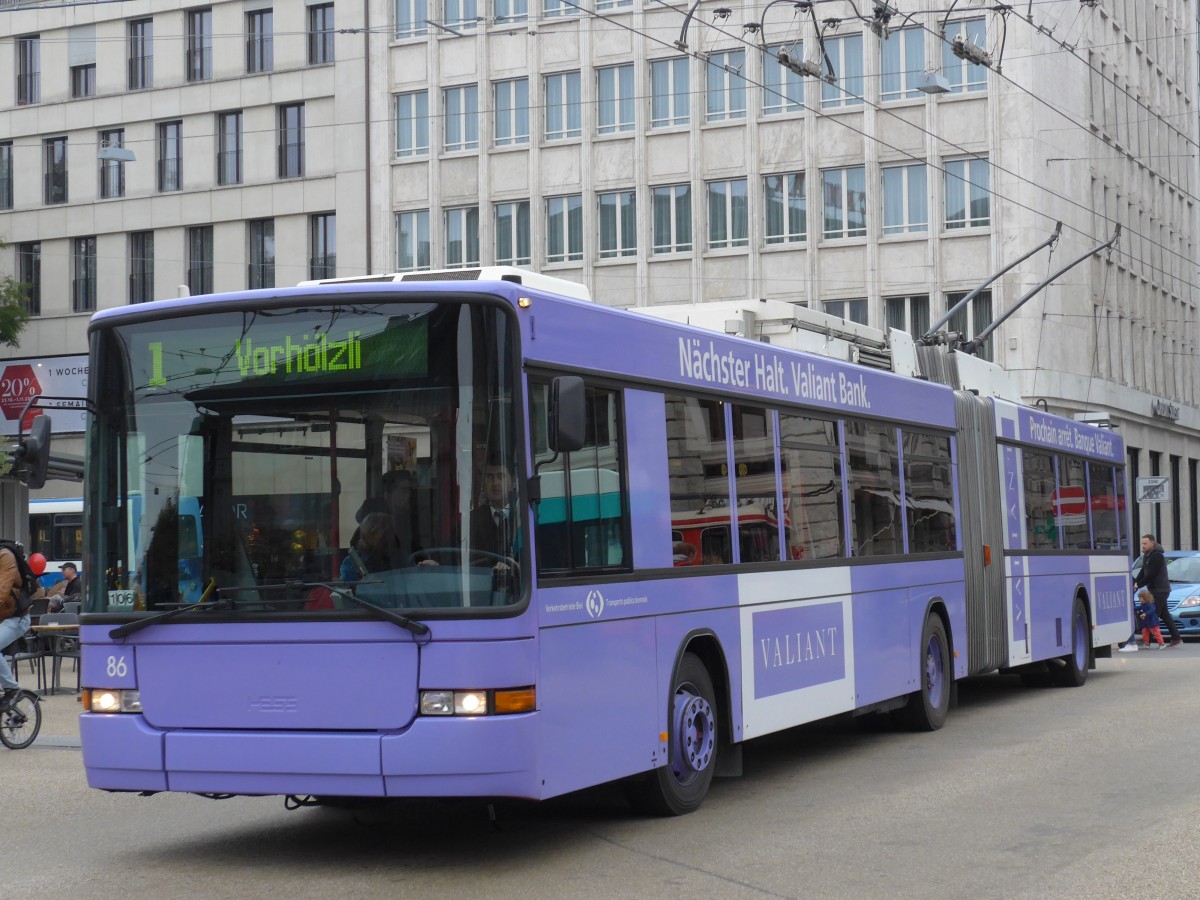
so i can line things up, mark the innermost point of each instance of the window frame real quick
(322, 245)
(199, 259)
(460, 133)
(907, 74)
(908, 194)
(723, 193)
(321, 24)
(968, 184)
(680, 202)
(141, 266)
(111, 181)
(260, 41)
(54, 170)
(618, 112)
(624, 219)
(410, 18)
(788, 215)
(722, 75)
(415, 224)
(849, 85)
(168, 138)
(845, 189)
(564, 224)
(139, 61)
(674, 97)
(260, 253)
(198, 45)
(412, 124)
(291, 161)
(517, 213)
(511, 112)
(460, 221)
(83, 274)
(564, 117)
(782, 89)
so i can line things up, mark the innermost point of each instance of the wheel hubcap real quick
(695, 735)
(935, 673)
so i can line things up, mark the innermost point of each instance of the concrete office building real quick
(656, 157)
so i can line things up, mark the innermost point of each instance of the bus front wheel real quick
(681, 785)
(928, 706)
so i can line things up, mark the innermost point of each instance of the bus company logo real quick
(273, 704)
(594, 604)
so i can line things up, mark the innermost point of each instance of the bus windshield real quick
(283, 458)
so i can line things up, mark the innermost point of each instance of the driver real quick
(494, 523)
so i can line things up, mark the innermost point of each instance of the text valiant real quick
(701, 361)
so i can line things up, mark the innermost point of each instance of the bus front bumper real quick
(488, 756)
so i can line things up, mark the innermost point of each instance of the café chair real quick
(28, 648)
(62, 646)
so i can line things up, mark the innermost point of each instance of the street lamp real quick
(114, 153)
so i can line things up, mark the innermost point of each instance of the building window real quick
(460, 14)
(260, 55)
(602, 5)
(618, 224)
(140, 62)
(672, 218)
(141, 266)
(512, 112)
(850, 310)
(320, 34)
(462, 237)
(728, 214)
(670, 93)
(846, 55)
(785, 207)
(512, 234)
(83, 81)
(322, 246)
(291, 140)
(614, 92)
(968, 202)
(564, 228)
(510, 11)
(29, 276)
(229, 147)
(552, 8)
(726, 89)
(54, 170)
(260, 271)
(973, 318)
(783, 89)
(112, 171)
(199, 45)
(170, 156)
(462, 118)
(845, 197)
(905, 203)
(200, 259)
(412, 124)
(909, 314)
(29, 69)
(564, 111)
(411, 18)
(412, 240)
(6, 175)
(964, 76)
(903, 62)
(83, 274)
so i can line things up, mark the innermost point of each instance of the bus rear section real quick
(56, 532)
(1051, 589)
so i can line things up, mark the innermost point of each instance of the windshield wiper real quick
(130, 627)
(403, 621)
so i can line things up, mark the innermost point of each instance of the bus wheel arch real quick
(929, 705)
(698, 724)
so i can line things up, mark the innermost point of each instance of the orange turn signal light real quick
(520, 700)
(987, 555)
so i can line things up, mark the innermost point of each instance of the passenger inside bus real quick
(376, 549)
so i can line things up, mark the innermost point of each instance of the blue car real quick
(1183, 568)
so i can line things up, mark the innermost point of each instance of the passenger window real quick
(1103, 506)
(929, 493)
(1037, 475)
(754, 480)
(811, 466)
(582, 519)
(699, 477)
(874, 479)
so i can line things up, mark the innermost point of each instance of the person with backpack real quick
(16, 597)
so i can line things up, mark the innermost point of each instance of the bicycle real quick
(21, 722)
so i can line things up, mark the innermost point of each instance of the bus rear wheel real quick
(1072, 670)
(681, 785)
(928, 706)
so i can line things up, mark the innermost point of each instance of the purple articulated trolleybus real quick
(473, 535)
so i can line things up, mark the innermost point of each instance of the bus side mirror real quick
(33, 454)
(567, 423)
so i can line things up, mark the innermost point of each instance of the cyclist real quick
(14, 621)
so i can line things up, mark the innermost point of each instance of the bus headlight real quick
(478, 703)
(99, 700)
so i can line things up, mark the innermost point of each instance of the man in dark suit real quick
(494, 522)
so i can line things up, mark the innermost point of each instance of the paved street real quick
(1026, 793)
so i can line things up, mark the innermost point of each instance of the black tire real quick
(929, 705)
(1072, 670)
(21, 722)
(681, 786)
